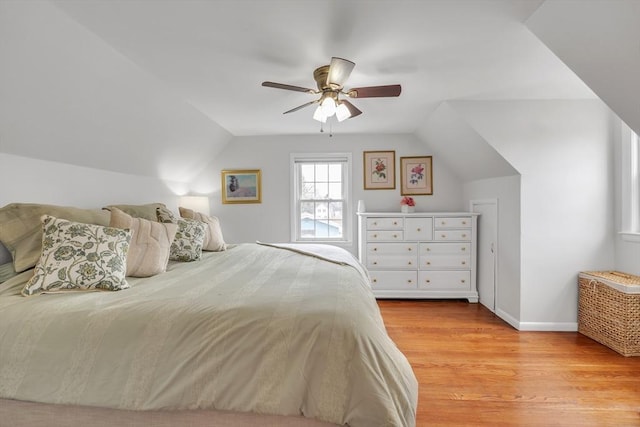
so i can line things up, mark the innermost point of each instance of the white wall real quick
(627, 248)
(270, 220)
(507, 191)
(38, 181)
(627, 256)
(564, 153)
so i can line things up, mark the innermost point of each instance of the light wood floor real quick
(476, 370)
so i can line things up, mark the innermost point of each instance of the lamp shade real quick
(328, 106)
(342, 112)
(319, 115)
(196, 203)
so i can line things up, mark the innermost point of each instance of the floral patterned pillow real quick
(79, 257)
(187, 246)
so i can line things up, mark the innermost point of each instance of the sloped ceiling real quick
(600, 41)
(460, 147)
(158, 87)
(215, 54)
(67, 96)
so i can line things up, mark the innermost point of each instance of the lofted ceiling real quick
(215, 54)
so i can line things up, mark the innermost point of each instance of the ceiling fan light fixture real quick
(330, 81)
(328, 106)
(319, 115)
(342, 112)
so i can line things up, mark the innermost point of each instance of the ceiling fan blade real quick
(301, 107)
(339, 71)
(375, 91)
(353, 110)
(289, 87)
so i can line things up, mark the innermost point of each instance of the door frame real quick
(472, 205)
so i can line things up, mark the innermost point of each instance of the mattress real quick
(256, 329)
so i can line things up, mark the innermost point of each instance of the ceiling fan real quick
(330, 80)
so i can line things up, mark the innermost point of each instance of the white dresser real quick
(420, 255)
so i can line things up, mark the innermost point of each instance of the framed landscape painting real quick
(379, 170)
(241, 186)
(416, 176)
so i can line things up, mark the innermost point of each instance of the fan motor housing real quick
(320, 75)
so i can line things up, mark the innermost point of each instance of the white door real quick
(487, 250)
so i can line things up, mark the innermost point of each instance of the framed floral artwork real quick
(416, 176)
(241, 186)
(379, 170)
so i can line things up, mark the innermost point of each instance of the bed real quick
(257, 334)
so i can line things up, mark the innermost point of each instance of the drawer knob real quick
(463, 249)
(428, 262)
(375, 249)
(375, 223)
(409, 263)
(395, 236)
(427, 281)
(464, 235)
(464, 262)
(464, 222)
(409, 249)
(419, 229)
(428, 249)
(395, 222)
(443, 222)
(375, 262)
(375, 236)
(444, 236)
(462, 281)
(375, 280)
(409, 281)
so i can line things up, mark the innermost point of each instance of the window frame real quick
(630, 156)
(297, 159)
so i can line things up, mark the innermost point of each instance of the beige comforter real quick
(252, 329)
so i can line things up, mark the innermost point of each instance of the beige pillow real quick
(213, 239)
(21, 228)
(150, 243)
(7, 272)
(139, 211)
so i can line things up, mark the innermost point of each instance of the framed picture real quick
(379, 170)
(416, 176)
(241, 186)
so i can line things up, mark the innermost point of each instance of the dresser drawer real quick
(445, 248)
(385, 235)
(384, 223)
(396, 280)
(444, 261)
(444, 280)
(452, 222)
(392, 248)
(418, 228)
(444, 235)
(392, 261)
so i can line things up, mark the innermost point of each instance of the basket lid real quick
(627, 283)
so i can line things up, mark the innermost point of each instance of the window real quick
(320, 202)
(630, 185)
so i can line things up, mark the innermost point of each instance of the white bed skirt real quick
(17, 413)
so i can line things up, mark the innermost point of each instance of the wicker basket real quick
(609, 310)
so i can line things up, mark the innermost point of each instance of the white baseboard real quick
(537, 326)
(549, 326)
(508, 318)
